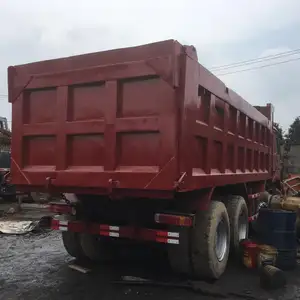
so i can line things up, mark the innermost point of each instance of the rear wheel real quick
(203, 250)
(238, 217)
(210, 242)
(72, 244)
(95, 247)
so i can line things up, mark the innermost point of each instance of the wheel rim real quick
(221, 240)
(242, 229)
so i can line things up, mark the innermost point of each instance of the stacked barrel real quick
(277, 228)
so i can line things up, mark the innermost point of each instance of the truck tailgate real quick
(97, 122)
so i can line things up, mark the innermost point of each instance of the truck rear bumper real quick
(127, 232)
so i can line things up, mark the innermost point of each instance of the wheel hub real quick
(221, 240)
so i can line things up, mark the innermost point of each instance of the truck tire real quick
(179, 255)
(238, 217)
(72, 244)
(210, 242)
(95, 247)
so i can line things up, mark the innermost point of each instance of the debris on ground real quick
(199, 287)
(272, 277)
(17, 227)
(48, 276)
(22, 219)
(79, 268)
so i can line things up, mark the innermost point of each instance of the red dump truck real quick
(143, 144)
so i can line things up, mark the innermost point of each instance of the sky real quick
(223, 32)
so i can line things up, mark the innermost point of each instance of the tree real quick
(279, 133)
(293, 135)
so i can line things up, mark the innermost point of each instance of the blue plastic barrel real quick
(277, 228)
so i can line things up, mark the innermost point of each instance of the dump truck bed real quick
(142, 119)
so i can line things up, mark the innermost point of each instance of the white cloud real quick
(195, 21)
(41, 29)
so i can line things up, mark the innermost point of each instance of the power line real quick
(255, 60)
(260, 67)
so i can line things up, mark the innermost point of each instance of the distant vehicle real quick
(144, 144)
(7, 190)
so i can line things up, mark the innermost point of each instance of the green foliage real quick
(279, 133)
(292, 137)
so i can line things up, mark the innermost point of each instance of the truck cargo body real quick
(146, 145)
(144, 119)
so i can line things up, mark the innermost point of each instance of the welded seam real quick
(147, 185)
(161, 74)
(19, 169)
(24, 87)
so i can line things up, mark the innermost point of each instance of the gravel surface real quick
(35, 266)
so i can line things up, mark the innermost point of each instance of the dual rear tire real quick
(238, 216)
(203, 250)
(86, 246)
(72, 245)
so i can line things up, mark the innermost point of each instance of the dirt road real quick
(35, 266)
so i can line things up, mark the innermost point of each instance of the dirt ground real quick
(35, 266)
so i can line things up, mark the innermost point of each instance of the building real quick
(292, 162)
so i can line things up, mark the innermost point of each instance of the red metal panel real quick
(90, 75)
(61, 138)
(101, 127)
(133, 119)
(218, 125)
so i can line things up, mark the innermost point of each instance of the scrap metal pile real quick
(274, 240)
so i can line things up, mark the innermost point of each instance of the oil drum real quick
(276, 220)
(277, 228)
